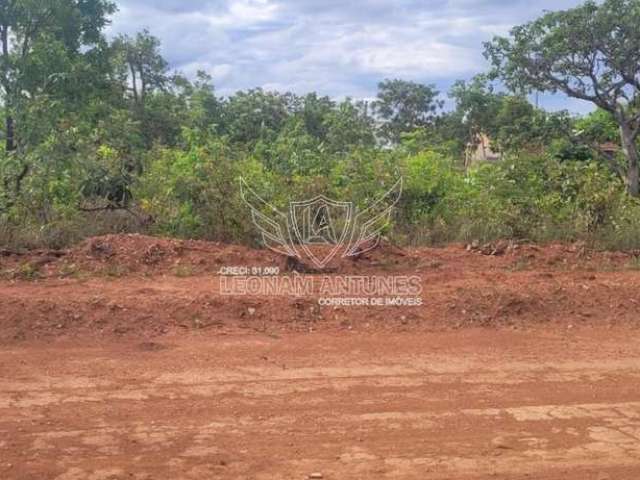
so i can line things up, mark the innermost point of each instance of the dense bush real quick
(195, 192)
(99, 136)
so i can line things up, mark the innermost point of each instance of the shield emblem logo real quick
(321, 226)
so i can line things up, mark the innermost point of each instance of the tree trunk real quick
(9, 124)
(630, 150)
(10, 143)
(134, 84)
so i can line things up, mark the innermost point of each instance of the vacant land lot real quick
(120, 359)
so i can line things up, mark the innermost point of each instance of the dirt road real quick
(476, 403)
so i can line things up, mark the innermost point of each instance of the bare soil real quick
(120, 359)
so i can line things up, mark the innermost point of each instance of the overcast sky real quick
(335, 47)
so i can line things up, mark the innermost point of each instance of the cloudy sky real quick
(335, 47)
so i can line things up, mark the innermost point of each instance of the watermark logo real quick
(321, 228)
(318, 230)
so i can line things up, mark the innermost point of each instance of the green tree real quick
(589, 52)
(597, 127)
(157, 98)
(314, 111)
(46, 50)
(404, 106)
(476, 109)
(146, 69)
(518, 125)
(29, 30)
(349, 126)
(204, 108)
(255, 115)
(593, 135)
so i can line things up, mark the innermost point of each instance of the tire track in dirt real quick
(469, 405)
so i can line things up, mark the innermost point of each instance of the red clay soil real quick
(475, 404)
(133, 285)
(120, 359)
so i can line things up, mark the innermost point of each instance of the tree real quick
(404, 106)
(519, 125)
(255, 115)
(593, 136)
(204, 108)
(477, 107)
(30, 28)
(147, 69)
(46, 47)
(598, 127)
(314, 111)
(160, 101)
(349, 126)
(589, 52)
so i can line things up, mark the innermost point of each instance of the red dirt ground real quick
(121, 359)
(144, 287)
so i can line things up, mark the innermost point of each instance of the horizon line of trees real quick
(96, 125)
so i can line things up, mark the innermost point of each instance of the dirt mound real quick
(134, 285)
(125, 254)
(134, 254)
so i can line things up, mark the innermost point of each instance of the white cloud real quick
(331, 46)
(244, 14)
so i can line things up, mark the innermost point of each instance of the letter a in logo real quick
(321, 221)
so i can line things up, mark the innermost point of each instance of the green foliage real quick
(194, 192)
(477, 107)
(255, 115)
(597, 127)
(404, 106)
(537, 198)
(588, 52)
(101, 137)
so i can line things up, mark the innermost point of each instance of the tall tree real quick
(27, 29)
(476, 109)
(403, 106)
(147, 70)
(204, 108)
(590, 52)
(44, 46)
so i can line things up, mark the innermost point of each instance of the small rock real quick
(316, 476)
(251, 310)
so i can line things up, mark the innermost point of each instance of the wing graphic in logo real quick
(369, 224)
(320, 228)
(272, 224)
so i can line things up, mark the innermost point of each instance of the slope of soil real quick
(140, 286)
